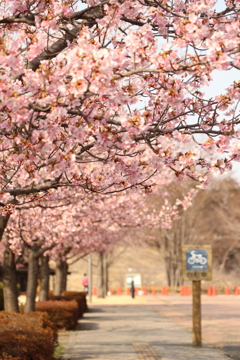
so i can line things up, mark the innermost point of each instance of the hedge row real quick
(65, 310)
(26, 336)
(33, 336)
(63, 314)
(79, 297)
(1, 297)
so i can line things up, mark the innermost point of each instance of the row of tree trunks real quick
(35, 272)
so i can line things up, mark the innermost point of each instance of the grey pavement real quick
(132, 332)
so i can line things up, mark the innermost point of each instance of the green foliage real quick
(58, 351)
(63, 314)
(26, 336)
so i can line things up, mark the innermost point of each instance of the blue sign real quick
(197, 260)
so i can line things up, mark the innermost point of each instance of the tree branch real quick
(33, 190)
(43, 250)
(54, 50)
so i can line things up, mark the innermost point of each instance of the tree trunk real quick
(106, 277)
(3, 224)
(173, 240)
(10, 291)
(59, 277)
(33, 271)
(101, 285)
(44, 278)
(167, 257)
(225, 256)
(64, 279)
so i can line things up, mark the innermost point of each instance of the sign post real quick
(196, 313)
(196, 266)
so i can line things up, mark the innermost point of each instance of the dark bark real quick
(59, 277)
(33, 190)
(64, 278)
(3, 224)
(10, 291)
(44, 278)
(106, 277)
(56, 48)
(33, 272)
(168, 272)
(101, 284)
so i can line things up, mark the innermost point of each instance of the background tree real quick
(212, 218)
(172, 219)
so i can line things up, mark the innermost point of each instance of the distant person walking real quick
(132, 289)
(85, 282)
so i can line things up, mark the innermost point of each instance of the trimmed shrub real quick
(1, 297)
(79, 297)
(26, 336)
(63, 314)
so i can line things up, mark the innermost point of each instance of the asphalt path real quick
(220, 319)
(155, 327)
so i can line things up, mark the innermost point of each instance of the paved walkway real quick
(133, 331)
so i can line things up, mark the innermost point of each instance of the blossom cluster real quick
(85, 94)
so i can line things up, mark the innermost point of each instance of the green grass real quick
(58, 351)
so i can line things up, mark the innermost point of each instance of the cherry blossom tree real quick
(104, 226)
(17, 236)
(102, 97)
(107, 97)
(30, 236)
(80, 225)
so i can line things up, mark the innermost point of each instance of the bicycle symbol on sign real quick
(196, 258)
